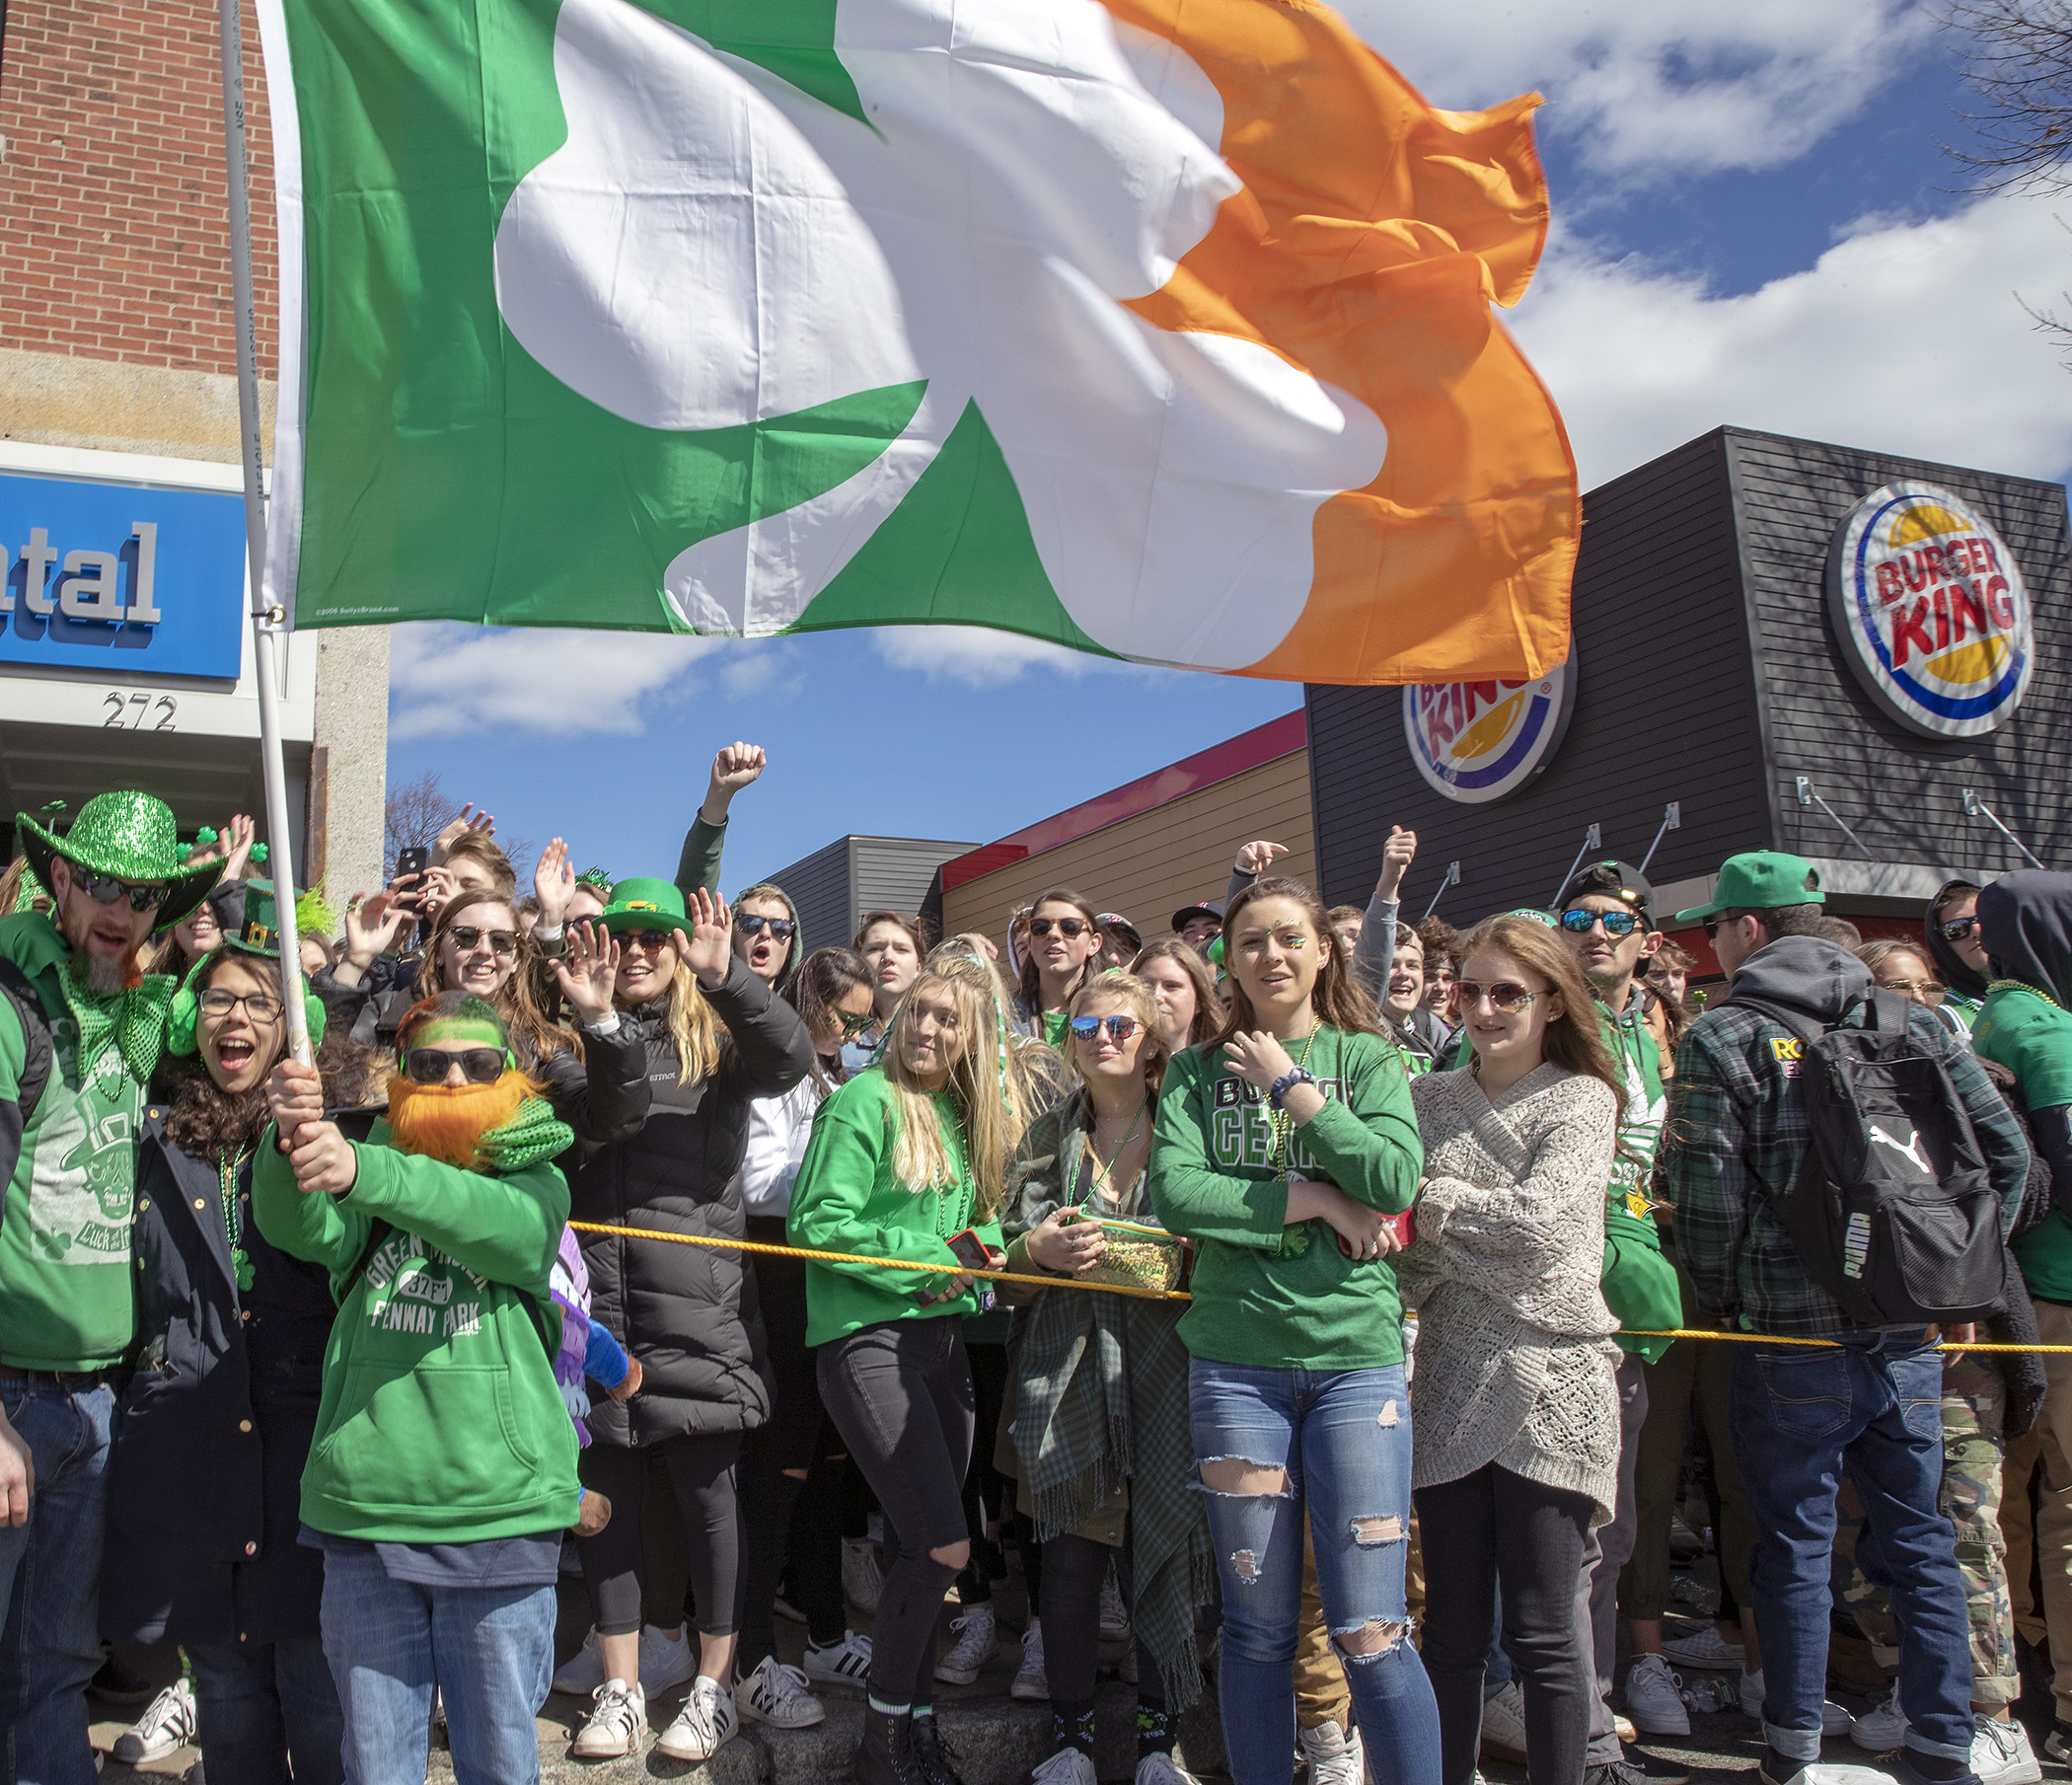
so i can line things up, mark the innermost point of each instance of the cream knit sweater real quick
(1512, 1361)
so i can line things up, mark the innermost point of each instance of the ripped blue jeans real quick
(1341, 1437)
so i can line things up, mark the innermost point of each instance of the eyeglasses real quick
(430, 1066)
(1928, 990)
(1505, 995)
(466, 936)
(853, 1026)
(105, 889)
(754, 925)
(647, 939)
(220, 1000)
(1958, 927)
(1577, 922)
(1712, 927)
(1064, 926)
(1120, 1028)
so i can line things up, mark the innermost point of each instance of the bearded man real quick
(81, 1030)
(443, 1471)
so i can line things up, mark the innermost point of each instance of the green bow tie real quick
(130, 1022)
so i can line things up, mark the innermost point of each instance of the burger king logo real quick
(1477, 742)
(1931, 611)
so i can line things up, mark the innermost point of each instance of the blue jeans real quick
(1343, 1439)
(50, 1583)
(1801, 1414)
(489, 1650)
(264, 1703)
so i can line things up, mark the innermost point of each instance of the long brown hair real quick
(524, 1001)
(1573, 1041)
(823, 976)
(1208, 1000)
(1339, 998)
(1032, 986)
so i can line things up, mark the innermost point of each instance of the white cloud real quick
(1905, 337)
(1648, 88)
(977, 656)
(446, 679)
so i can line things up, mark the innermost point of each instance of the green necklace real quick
(1100, 1182)
(1283, 1124)
(2022, 984)
(227, 1168)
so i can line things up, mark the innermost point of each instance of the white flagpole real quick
(268, 623)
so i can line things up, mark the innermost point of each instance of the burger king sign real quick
(1930, 610)
(1477, 742)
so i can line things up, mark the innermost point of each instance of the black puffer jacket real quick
(689, 1313)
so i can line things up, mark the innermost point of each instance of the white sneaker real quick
(863, 1573)
(843, 1664)
(1031, 1683)
(704, 1726)
(1333, 1757)
(1160, 1769)
(1067, 1766)
(1882, 1728)
(1834, 1720)
(617, 1726)
(665, 1661)
(1707, 1650)
(776, 1695)
(169, 1722)
(1115, 1615)
(584, 1672)
(978, 1642)
(1503, 1724)
(1655, 1698)
(2001, 1754)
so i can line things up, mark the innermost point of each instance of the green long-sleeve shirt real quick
(1267, 1294)
(699, 865)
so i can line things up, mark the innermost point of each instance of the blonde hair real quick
(991, 1082)
(692, 1025)
(1126, 990)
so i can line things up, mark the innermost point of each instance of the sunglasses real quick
(220, 1000)
(853, 1026)
(1958, 927)
(1120, 1028)
(648, 940)
(1932, 990)
(430, 1066)
(465, 937)
(105, 889)
(1505, 995)
(754, 925)
(1616, 923)
(1063, 926)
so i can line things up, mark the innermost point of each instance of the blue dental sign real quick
(121, 578)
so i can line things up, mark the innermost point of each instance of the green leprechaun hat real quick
(133, 837)
(257, 933)
(643, 904)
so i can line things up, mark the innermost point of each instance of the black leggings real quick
(701, 1471)
(1495, 1525)
(1074, 1569)
(901, 1395)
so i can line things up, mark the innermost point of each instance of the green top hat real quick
(133, 837)
(260, 931)
(1759, 880)
(640, 904)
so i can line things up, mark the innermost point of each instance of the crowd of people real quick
(612, 1231)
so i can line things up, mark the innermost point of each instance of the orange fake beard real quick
(447, 1122)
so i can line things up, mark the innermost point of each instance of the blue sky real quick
(1753, 224)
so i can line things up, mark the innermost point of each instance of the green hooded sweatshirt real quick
(440, 1420)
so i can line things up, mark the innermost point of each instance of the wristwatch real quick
(1288, 1082)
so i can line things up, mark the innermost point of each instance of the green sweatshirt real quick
(440, 1420)
(847, 1199)
(699, 865)
(1640, 1284)
(1266, 1295)
(2033, 1038)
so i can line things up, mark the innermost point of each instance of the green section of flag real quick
(794, 39)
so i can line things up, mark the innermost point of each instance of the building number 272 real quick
(119, 714)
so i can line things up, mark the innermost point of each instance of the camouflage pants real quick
(1974, 1410)
(2042, 1542)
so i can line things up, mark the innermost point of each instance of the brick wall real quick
(115, 233)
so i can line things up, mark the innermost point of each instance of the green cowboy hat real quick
(640, 904)
(130, 835)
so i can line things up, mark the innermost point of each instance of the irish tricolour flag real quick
(1153, 327)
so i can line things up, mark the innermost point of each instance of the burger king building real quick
(1777, 644)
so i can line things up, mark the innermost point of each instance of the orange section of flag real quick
(1373, 235)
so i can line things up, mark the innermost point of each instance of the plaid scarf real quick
(1100, 1400)
(130, 1022)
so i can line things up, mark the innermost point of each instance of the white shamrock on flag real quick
(713, 247)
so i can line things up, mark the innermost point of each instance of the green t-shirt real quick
(1057, 1028)
(67, 1302)
(2033, 1038)
(1639, 1284)
(1266, 1295)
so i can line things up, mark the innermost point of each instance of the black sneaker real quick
(2058, 1744)
(1615, 1772)
(1656, 1770)
(119, 1683)
(928, 1755)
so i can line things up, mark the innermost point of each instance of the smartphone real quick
(974, 1255)
(412, 862)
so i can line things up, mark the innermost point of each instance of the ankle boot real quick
(928, 1753)
(886, 1753)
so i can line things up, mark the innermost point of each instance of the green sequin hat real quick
(128, 835)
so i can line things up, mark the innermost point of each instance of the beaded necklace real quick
(2022, 984)
(1100, 1182)
(227, 1169)
(1281, 1122)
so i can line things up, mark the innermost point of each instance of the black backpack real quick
(15, 1117)
(1893, 1211)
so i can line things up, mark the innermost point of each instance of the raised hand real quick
(437, 888)
(732, 770)
(371, 924)
(1257, 857)
(468, 820)
(1257, 1057)
(236, 842)
(708, 950)
(1397, 854)
(553, 883)
(589, 971)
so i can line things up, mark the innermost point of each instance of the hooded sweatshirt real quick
(2026, 920)
(1967, 985)
(1737, 1130)
(777, 1127)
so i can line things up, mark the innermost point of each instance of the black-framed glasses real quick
(1958, 927)
(853, 1026)
(105, 889)
(467, 937)
(1120, 1028)
(220, 1000)
(1579, 922)
(1505, 995)
(431, 1066)
(753, 923)
(649, 940)
(1065, 925)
